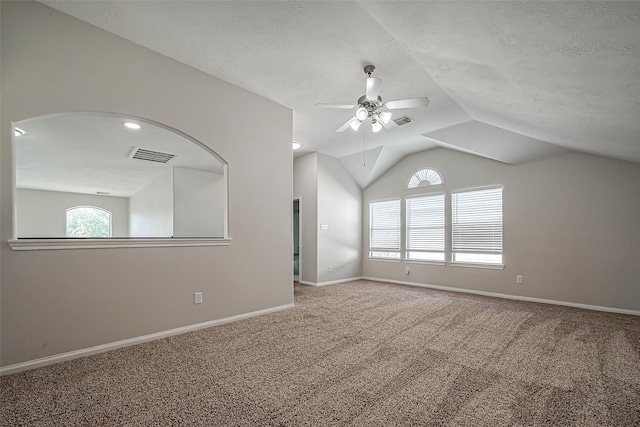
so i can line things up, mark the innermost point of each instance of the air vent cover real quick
(402, 121)
(151, 155)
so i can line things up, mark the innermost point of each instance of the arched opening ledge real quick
(49, 244)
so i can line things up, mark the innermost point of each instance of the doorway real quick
(296, 240)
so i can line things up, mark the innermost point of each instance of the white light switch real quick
(324, 226)
(197, 298)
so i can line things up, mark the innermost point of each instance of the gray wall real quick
(55, 301)
(571, 227)
(151, 208)
(44, 213)
(329, 197)
(198, 203)
(339, 208)
(305, 185)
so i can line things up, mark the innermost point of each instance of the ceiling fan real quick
(370, 104)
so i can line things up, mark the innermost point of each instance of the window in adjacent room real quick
(425, 228)
(476, 217)
(425, 178)
(384, 229)
(88, 222)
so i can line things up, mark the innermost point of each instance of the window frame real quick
(407, 229)
(479, 264)
(381, 249)
(89, 207)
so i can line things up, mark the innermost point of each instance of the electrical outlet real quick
(197, 298)
(330, 268)
(406, 270)
(519, 278)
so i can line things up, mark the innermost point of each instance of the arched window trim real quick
(425, 174)
(92, 207)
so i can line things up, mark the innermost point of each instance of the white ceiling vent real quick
(402, 121)
(151, 155)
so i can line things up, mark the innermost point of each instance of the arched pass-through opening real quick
(163, 187)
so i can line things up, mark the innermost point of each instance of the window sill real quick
(477, 265)
(415, 261)
(385, 259)
(27, 244)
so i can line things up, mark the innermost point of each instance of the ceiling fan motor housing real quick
(371, 106)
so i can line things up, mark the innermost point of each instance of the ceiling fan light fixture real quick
(385, 117)
(362, 113)
(370, 105)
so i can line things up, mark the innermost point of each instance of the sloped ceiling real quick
(522, 80)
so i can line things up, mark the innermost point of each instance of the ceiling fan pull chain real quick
(364, 150)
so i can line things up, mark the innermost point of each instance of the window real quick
(476, 217)
(425, 228)
(87, 221)
(425, 178)
(384, 229)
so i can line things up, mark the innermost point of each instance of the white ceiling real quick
(512, 81)
(91, 152)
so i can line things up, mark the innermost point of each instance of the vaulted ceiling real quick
(512, 81)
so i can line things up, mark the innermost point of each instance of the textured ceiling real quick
(563, 74)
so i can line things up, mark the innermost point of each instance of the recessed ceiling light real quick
(297, 145)
(131, 125)
(18, 132)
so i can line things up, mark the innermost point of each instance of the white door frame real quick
(299, 199)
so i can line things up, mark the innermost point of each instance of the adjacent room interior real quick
(452, 238)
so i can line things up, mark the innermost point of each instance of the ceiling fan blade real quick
(340, 106)
(346, 125)
(390, 125)
(407, 103)
(373, 88)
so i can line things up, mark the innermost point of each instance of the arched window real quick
(88, 221)
(425, 178)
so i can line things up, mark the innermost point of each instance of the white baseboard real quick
(57, 358)
(334, 282)
(513, 297)
(50, 360)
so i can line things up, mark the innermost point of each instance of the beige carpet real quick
(357, 354)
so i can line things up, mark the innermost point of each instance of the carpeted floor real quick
(357, 354)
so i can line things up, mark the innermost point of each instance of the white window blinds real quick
(384, 229)
(425, 228)
(477, 226)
